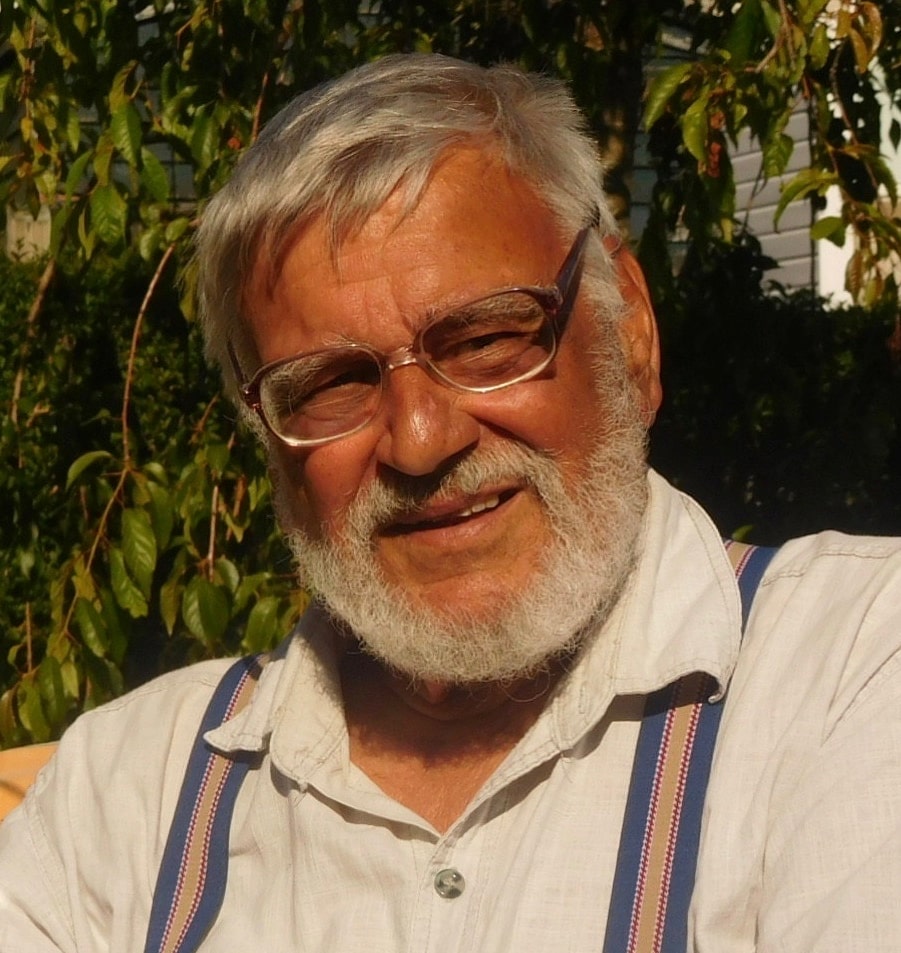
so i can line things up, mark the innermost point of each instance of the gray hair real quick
(342, 149)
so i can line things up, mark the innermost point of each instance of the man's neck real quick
(430, 745)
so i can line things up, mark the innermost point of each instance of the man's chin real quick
(462, 649)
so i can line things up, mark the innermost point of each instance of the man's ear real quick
(638, 333)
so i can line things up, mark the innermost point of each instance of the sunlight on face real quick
(594, 531)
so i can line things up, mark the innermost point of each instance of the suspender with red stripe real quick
(191, 880)
(658, 851)
(658, 848)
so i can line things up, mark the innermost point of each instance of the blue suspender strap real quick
(192, 876)
(658, 849)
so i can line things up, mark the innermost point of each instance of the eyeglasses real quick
(495, 341)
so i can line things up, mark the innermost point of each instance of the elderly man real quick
(416, 293)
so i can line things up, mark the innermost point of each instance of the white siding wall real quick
(790, 246)
(756, 201)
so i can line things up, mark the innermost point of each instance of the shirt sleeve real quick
(79, 857)
(33, 907)
(801, 851)
(831, 878)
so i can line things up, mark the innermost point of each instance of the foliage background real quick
(137, 534)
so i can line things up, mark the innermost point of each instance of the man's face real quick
(456, 503)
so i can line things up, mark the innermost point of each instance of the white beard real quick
(594, 526)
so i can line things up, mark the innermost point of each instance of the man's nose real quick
(425, 423)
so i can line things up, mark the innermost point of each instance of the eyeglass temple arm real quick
(238, 373)
(573, 262)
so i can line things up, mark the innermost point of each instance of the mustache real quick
(394, 495)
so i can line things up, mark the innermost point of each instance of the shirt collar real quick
(296, 710)
(680, 612)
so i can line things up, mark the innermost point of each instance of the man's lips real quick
(448, 513)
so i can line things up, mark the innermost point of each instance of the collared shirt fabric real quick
(800, 846)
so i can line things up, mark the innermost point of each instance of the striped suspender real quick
(658, 847)
(191, 881)
(655, 868)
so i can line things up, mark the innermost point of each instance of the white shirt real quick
(801, 844)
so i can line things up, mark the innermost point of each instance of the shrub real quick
(139, 535)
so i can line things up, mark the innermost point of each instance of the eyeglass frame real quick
(556, 300)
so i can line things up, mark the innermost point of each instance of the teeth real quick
(480, 507)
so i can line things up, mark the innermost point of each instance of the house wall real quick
(755, 200)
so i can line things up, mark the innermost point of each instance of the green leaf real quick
(73, 130)
(805, 182)
(92, 627)
(127, 594)
(119, 96)
(695, 126)
(109, 214)
(104, 681)
(154, 177)
(139, 547)
(9, 729)
(113, 621)
(228, 573)
(103, 159)
(662, 90)
(204, 140)
(31, 712)
(149, 242)
(247, 589)
(776, 155)
(740, 40)
(170, 600)
(820, 46)
(772, 18)
(205, 610)
(52, 691)
(87, 238)
(831, 228)
(58, 228)
(71, 678)
(162, 513)
(6, 82)
(809, 11)
(83, 462)
(176, 228)
(125, 127)
(75, 178)
(263, 626)
(217, 455)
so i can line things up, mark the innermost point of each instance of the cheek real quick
(559, 417)
(560, 414)
(316, 487)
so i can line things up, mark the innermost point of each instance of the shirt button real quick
(449, 883)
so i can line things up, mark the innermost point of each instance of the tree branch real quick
(30, 322)
(133, 351)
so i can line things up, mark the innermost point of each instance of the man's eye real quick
(363, 374)
(497, 323)
(492, 339)
(495, 345)
(320, 387)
